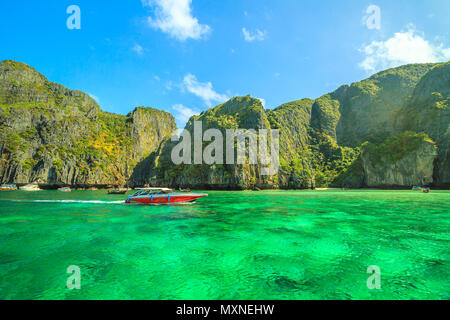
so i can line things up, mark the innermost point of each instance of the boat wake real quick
(70, 201)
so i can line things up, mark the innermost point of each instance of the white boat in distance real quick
(30, 187)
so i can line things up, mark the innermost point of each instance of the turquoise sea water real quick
(231, 245)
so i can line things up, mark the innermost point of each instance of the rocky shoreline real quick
(209, 188)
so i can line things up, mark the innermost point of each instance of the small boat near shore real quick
(8, 187)
(65, 189)
(423, 189)
(30, 187)
(117, 191)
(163, 196)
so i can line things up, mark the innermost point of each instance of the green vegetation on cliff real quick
(238, 112)
(292, 120)
(321, 140)
(55, 135)
(395, 147)
(370, 109)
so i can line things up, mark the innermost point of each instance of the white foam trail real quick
(72, 201)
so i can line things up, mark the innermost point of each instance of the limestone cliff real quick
(402, 160)
(428, 111)
(391, 129)
(321, 140)
(237, 113)
(56, 136)
(292, 119)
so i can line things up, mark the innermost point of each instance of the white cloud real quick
(183, 114)
(257, 35)
(402, 48)
(138, 49)
(174, 17)
(263, 101)
(169, 85)
(94, 97)
(203, 90)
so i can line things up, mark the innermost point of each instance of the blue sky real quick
(185, 56)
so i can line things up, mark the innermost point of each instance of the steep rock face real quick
(429, 111)
(55, 136)
(328, 158)
(325, 115)
(402, 160)
(370, 109)
(237, 113)
(293, 120)
(320, 140)
(148, 129)
(20, 84)
(410, 97)
(58, 136)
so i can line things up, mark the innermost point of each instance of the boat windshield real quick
(147, 192)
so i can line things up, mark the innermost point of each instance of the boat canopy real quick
(152, 191)
(155, 189)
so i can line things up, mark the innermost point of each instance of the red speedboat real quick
(163, 196)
